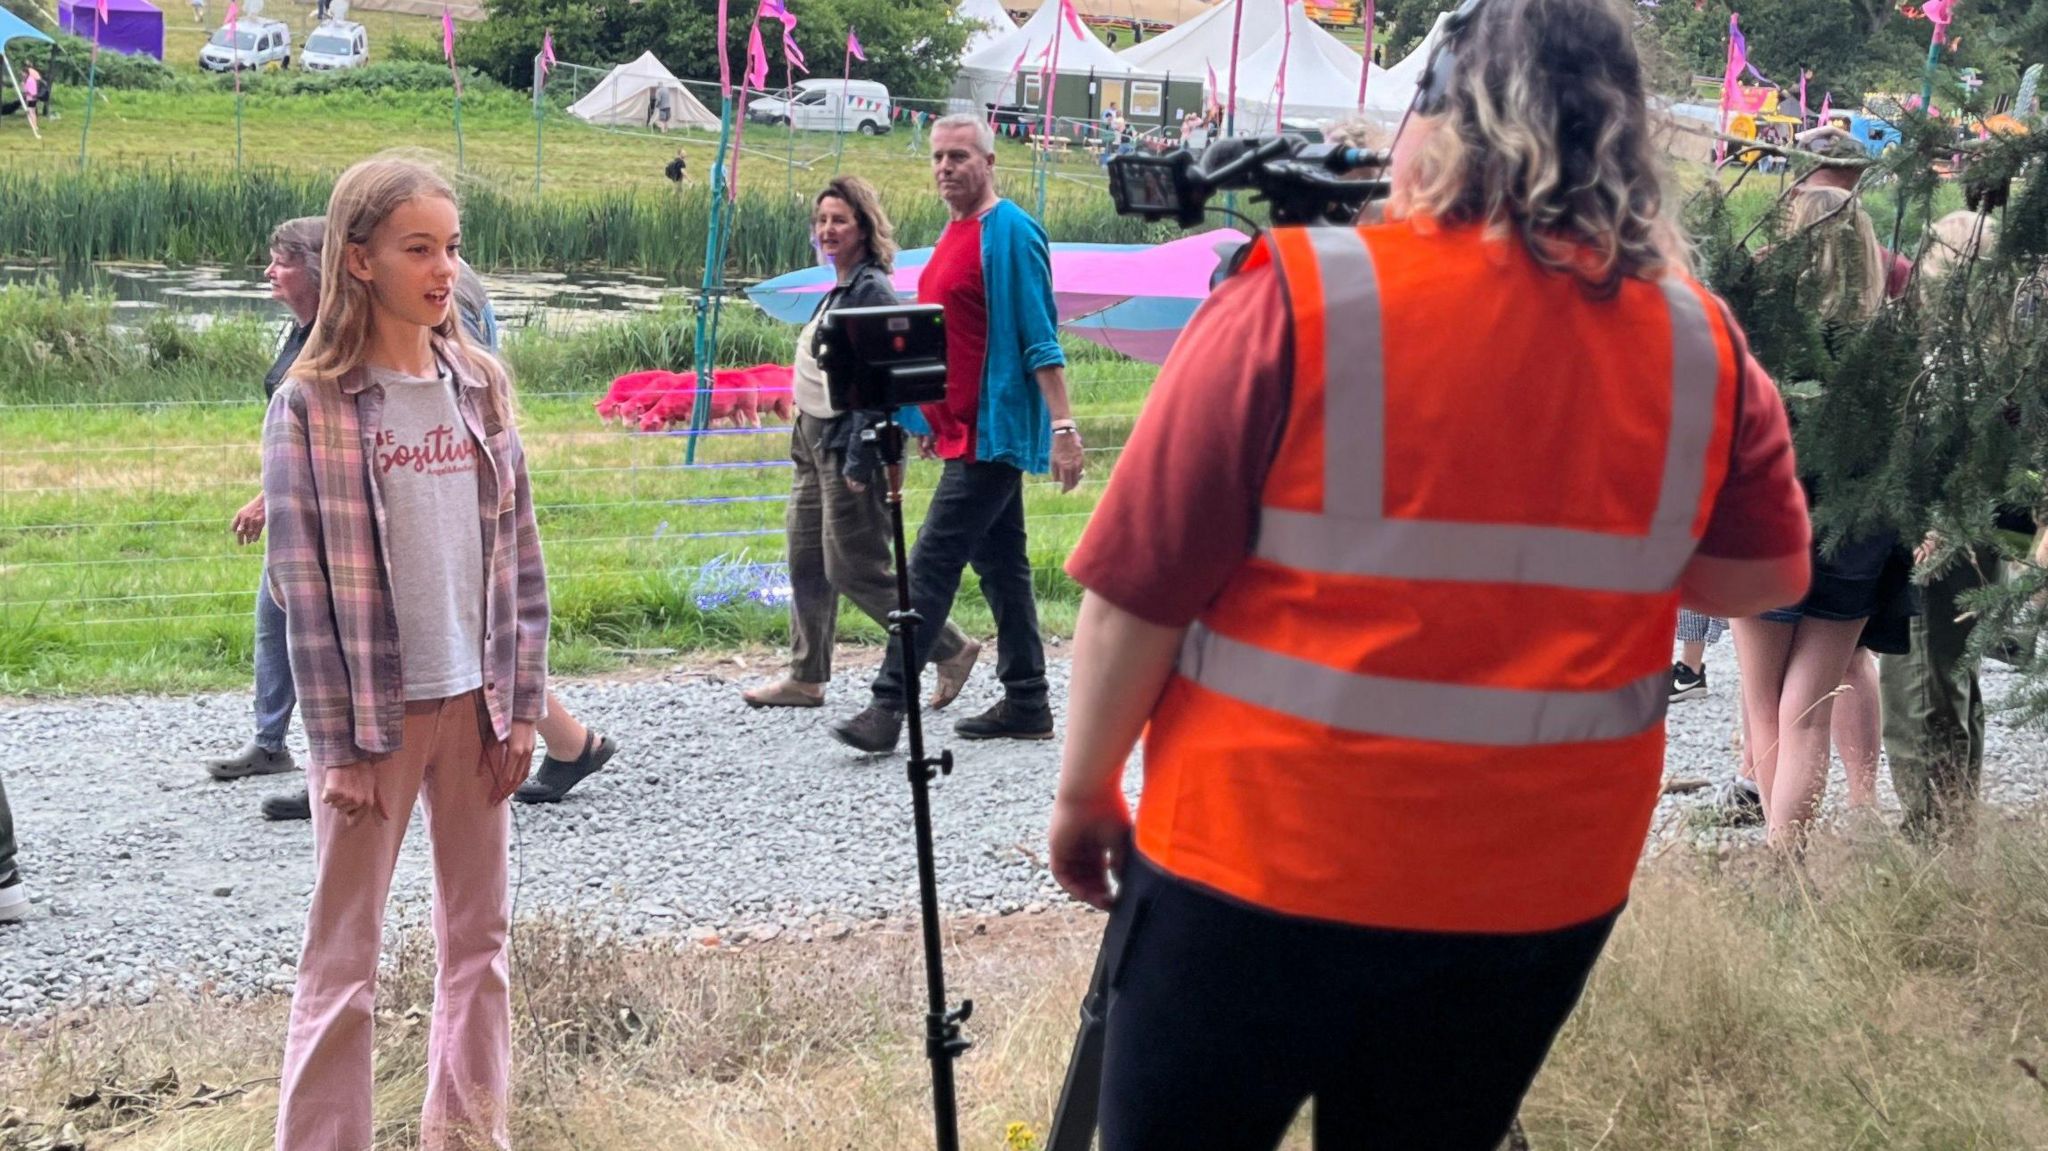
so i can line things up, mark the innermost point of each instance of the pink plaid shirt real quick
(325, 560)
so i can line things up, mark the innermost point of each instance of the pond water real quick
(556, 300)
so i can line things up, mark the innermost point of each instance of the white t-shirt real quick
(425, 467)
(813, 398)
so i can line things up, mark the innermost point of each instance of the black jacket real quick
(859, 459)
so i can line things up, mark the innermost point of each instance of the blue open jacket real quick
(1012, 424)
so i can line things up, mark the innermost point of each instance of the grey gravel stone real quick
(755, 824)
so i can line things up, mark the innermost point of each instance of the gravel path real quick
(712, 819)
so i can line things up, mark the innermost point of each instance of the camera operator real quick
(1388, 576)
(1005, 414)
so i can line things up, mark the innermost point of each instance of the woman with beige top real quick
(837, 524)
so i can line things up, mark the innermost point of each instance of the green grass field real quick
(326, 133)
(120, 573)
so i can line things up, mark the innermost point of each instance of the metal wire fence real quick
(115, 538)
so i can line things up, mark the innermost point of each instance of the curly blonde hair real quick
(1546, 134)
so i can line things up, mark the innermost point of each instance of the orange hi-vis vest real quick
(1433, 697)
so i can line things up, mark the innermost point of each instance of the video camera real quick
(880, 359)
(1305, 183)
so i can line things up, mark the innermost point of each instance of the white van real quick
(335, 45)
(249, 44)
(828, 106)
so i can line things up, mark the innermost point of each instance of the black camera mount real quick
(1304, 183)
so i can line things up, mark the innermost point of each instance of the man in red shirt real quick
(1005, 414)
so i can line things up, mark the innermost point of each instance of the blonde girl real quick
(404, 552)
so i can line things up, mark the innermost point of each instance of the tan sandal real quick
(783, 693)
(953, 675)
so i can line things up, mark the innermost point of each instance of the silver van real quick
(335, 45)
(248, 44)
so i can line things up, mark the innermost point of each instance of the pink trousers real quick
(324, 1097)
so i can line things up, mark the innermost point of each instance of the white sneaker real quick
(14, 902)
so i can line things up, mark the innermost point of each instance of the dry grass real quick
(1883, 998)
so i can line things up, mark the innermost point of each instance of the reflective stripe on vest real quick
(1415, 709)
(1352, 536)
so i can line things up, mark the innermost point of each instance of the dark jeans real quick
(1223, 1019)
(7, 872)
(976, 517)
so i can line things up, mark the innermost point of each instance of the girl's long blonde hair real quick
(1845, 260)
(363, 198)
(1547, 135)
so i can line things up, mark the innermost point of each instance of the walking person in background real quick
(1005, 413)
(199, 11)
(404, 549)
(837, 520)
(31, 89)
(294, 276)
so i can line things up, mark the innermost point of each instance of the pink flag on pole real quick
(777, 10)
(234, 13)
(547, 53)
(1072, 17)
(447, 35)
(790, 54)
(853, 46)
(724, 61)
(103, 11)
(1827, 105)
(1286, 49)
(1365, 72)
(1214, 87)
(757, 58)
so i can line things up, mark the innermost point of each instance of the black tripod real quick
(943, 1042)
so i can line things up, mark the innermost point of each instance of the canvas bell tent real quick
(628, 92)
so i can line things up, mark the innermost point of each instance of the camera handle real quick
(943, 1042)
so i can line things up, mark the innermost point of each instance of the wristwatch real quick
(1065, 428)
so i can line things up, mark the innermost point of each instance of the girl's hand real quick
(351, 789)
(507, 763)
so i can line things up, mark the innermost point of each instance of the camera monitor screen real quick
(887, 357)
(1148, 185)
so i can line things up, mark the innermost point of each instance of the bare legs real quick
(563, 733)
(1790, 676)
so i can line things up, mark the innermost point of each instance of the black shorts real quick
(1847, 584)
(1223, 1019)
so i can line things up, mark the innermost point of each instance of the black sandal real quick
(557, 777)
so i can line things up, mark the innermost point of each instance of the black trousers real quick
(976, 517)
(1223, 1019)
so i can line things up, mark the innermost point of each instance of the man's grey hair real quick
(984, 135)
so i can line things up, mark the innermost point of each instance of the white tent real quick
(1203, 43)
(628, 91)
(1407, 72)
(1322, 78)
(995, 24)
(984, 76)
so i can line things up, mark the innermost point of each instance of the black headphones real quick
(1433, 90)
